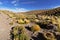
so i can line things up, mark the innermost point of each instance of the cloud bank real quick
(15, 10)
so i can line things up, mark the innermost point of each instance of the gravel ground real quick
(4, 27)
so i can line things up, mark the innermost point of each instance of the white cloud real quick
(21, 9)
(56, 6)
(13, 2)
(15, 10)
(1, 3)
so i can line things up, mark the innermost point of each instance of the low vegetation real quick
(35, 28)
(46, 22)
(19, 33)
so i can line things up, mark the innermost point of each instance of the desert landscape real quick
(31, 25)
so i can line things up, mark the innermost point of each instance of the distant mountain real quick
(54, 11)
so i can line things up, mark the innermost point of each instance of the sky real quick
(28, 5)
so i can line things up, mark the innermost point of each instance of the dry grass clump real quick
(33, 16)
(49, 36)
(23, 21)
(20, 21)
(11, 23)
(35, 28)
(11, 15)
(19, 33)
(36, 20)
(54, 20)
(27, 21)
(58, 24)
(21, 16)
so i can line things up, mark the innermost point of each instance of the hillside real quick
(32, 25)
(53, 11)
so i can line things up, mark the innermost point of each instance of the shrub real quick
(11, 23)
(15, 30)
(22, 16)
(27, 21)
(49, 36)
(35, 28)
(58, 24)
(20, 21)
(20, 33)
(24, 36)
(10, 15)
(36, 20)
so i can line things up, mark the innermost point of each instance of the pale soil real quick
(4, 27)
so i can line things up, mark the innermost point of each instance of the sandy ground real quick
(4, 27)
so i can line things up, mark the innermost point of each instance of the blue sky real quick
(25, 5)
